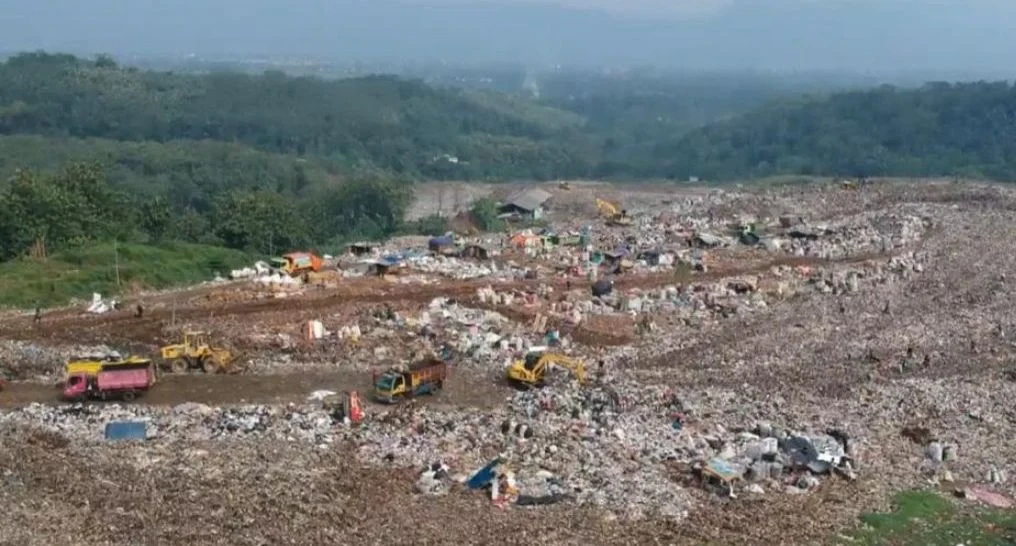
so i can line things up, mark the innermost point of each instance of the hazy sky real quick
(854, 35)
(680, 9)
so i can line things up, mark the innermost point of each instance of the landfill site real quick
(620, 365)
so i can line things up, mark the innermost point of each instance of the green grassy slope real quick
(80, 272)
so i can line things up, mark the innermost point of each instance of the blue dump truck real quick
(426, 377)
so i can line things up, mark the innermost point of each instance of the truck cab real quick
(77, 386)
(389, 386)
(297, 263)
(425, 377)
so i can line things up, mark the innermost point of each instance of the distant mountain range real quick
(975, 37)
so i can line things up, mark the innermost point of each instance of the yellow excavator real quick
(614, 214)
(532, 369)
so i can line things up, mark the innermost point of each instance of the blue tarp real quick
(390, 260)
(444, 240)
(484, 476)
(125, 430)
(722, 469)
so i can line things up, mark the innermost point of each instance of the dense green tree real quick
(364, 208)
(484, 213)
(155, 218)
(259, 221)
(72, 207)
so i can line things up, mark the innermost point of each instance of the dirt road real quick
(462, 389)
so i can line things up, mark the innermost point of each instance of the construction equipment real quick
(614, 214)
(344, 405)
(532, 370)
(295, 264)
(426, 377)
(564, 185)
(197, 352)
(119, 380)
(855, 184)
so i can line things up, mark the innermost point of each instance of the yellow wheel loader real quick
(197, 352)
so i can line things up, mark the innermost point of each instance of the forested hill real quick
(382, 122)
(966, 130)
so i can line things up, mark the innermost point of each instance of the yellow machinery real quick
(197, 352)
(90, 366)
(614, 215)
(532, 370)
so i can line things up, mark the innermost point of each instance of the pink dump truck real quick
(119, 381)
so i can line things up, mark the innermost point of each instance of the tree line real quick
(940, 129)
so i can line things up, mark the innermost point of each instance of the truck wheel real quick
(179, 365)
(129, 396)
(209, 364)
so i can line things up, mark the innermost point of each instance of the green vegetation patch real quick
(77, 273)
(926, 518)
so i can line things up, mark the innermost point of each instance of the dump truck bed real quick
(127, 379)
(426, 364)
(92, 366)
(430, 370)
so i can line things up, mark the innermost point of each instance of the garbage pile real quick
(852, 279)
(21, 360)
(461, 269)
(481, 336)
(865, 233)
(610, 446)
(259, 269)
(100, 305)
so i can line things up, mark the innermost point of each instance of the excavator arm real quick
(576, 367)
(606, 208)
(533, 368)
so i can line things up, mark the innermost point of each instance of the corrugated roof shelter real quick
(529, 202)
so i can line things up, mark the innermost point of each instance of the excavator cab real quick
(531, 370)
(531, 360)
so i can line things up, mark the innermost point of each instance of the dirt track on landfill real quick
(264, 389)
(123, 327)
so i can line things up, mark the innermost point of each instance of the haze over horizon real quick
(972, 37)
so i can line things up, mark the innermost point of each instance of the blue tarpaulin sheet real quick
(125, 430)
(484, 476)
(721, 469)
(390, 260)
